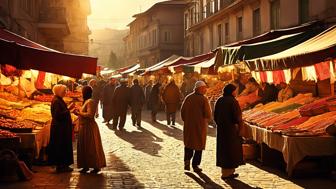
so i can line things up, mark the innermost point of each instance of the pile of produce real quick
(216, 91)
(298, 116)
(7, 134)
(44, 98)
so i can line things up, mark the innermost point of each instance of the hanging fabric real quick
(269, 76)
(322, 70)
(288, 76)
(256, 76)
(263, 76)
(309, 73)
(332, 72)
(278, 77)
(295, 72)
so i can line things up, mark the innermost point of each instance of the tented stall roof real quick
(233, 55)
(25, 54)
(312, 51)
(278, 33)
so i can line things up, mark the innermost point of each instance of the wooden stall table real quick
(294, 149)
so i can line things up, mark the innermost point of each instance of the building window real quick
(303, 11)
(220, 34)
(167, 36)
(275, 14)
(227, 32)
(239, 28)
(256, 22)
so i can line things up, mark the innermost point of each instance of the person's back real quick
(171, 94)
(121, 97)
(137, 98)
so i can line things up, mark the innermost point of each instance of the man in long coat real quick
(171, 97)
(154, 100)
(228, 118)
(137, 102)
(120, 101)
(195, 113)
(148, 90)
(107, 100)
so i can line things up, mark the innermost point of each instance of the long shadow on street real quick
(142, 140)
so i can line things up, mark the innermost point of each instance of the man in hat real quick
(120, 101)
(195, 113)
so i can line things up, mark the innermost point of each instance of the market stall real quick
(27, 121)
(297, 127)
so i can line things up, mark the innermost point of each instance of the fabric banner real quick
(263, 76)
(322, 70)
(278, 77)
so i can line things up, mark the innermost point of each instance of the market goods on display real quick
(302, 115)
(214, 92)
(7, 134)
(44, 98)
(73, 94)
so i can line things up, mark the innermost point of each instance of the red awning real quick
(25, 54)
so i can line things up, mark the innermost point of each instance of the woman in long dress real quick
(90, 153)
(59, 149)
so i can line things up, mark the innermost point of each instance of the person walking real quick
(171, 97)
(148, 89)
(120, 102)
(155, 100)
(137, 102)
(90, 153)
(107, 100)
(195, 113)
(59, 150)
(228, 117)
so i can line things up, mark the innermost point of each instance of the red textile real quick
(289, 124)
(263, 76)
(278, 77)
(40, 80)
(322, 70)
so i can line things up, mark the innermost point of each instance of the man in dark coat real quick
(195, 113)
(148, 90)
(120, 101)
(155, 100)
(171, 97)
(107, 100)
(137, 102)
(59, 150)
(228, 118)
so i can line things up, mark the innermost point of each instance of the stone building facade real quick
(58, 24)
(212, 23)
(156, 34)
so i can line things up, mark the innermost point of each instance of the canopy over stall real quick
(166, 62)
(312, 51)
(197, 63)
(277, 33)
(131, 69)
(233, 55)
(25, 54)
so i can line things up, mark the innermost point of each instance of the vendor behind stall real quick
(285, 93)
(250, 87)
(239, 85)
(267, 92)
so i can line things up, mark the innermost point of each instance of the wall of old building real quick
(208, 28)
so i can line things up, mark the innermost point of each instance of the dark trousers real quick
(195, 155)
(121, 118)
(136, 116)
(171, 118)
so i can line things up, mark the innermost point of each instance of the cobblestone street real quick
(152, 157)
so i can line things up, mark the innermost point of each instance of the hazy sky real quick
(116, 13)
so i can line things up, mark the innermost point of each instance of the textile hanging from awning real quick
(317, 49)
(131, 69)
(25, 54)
(233, 55)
